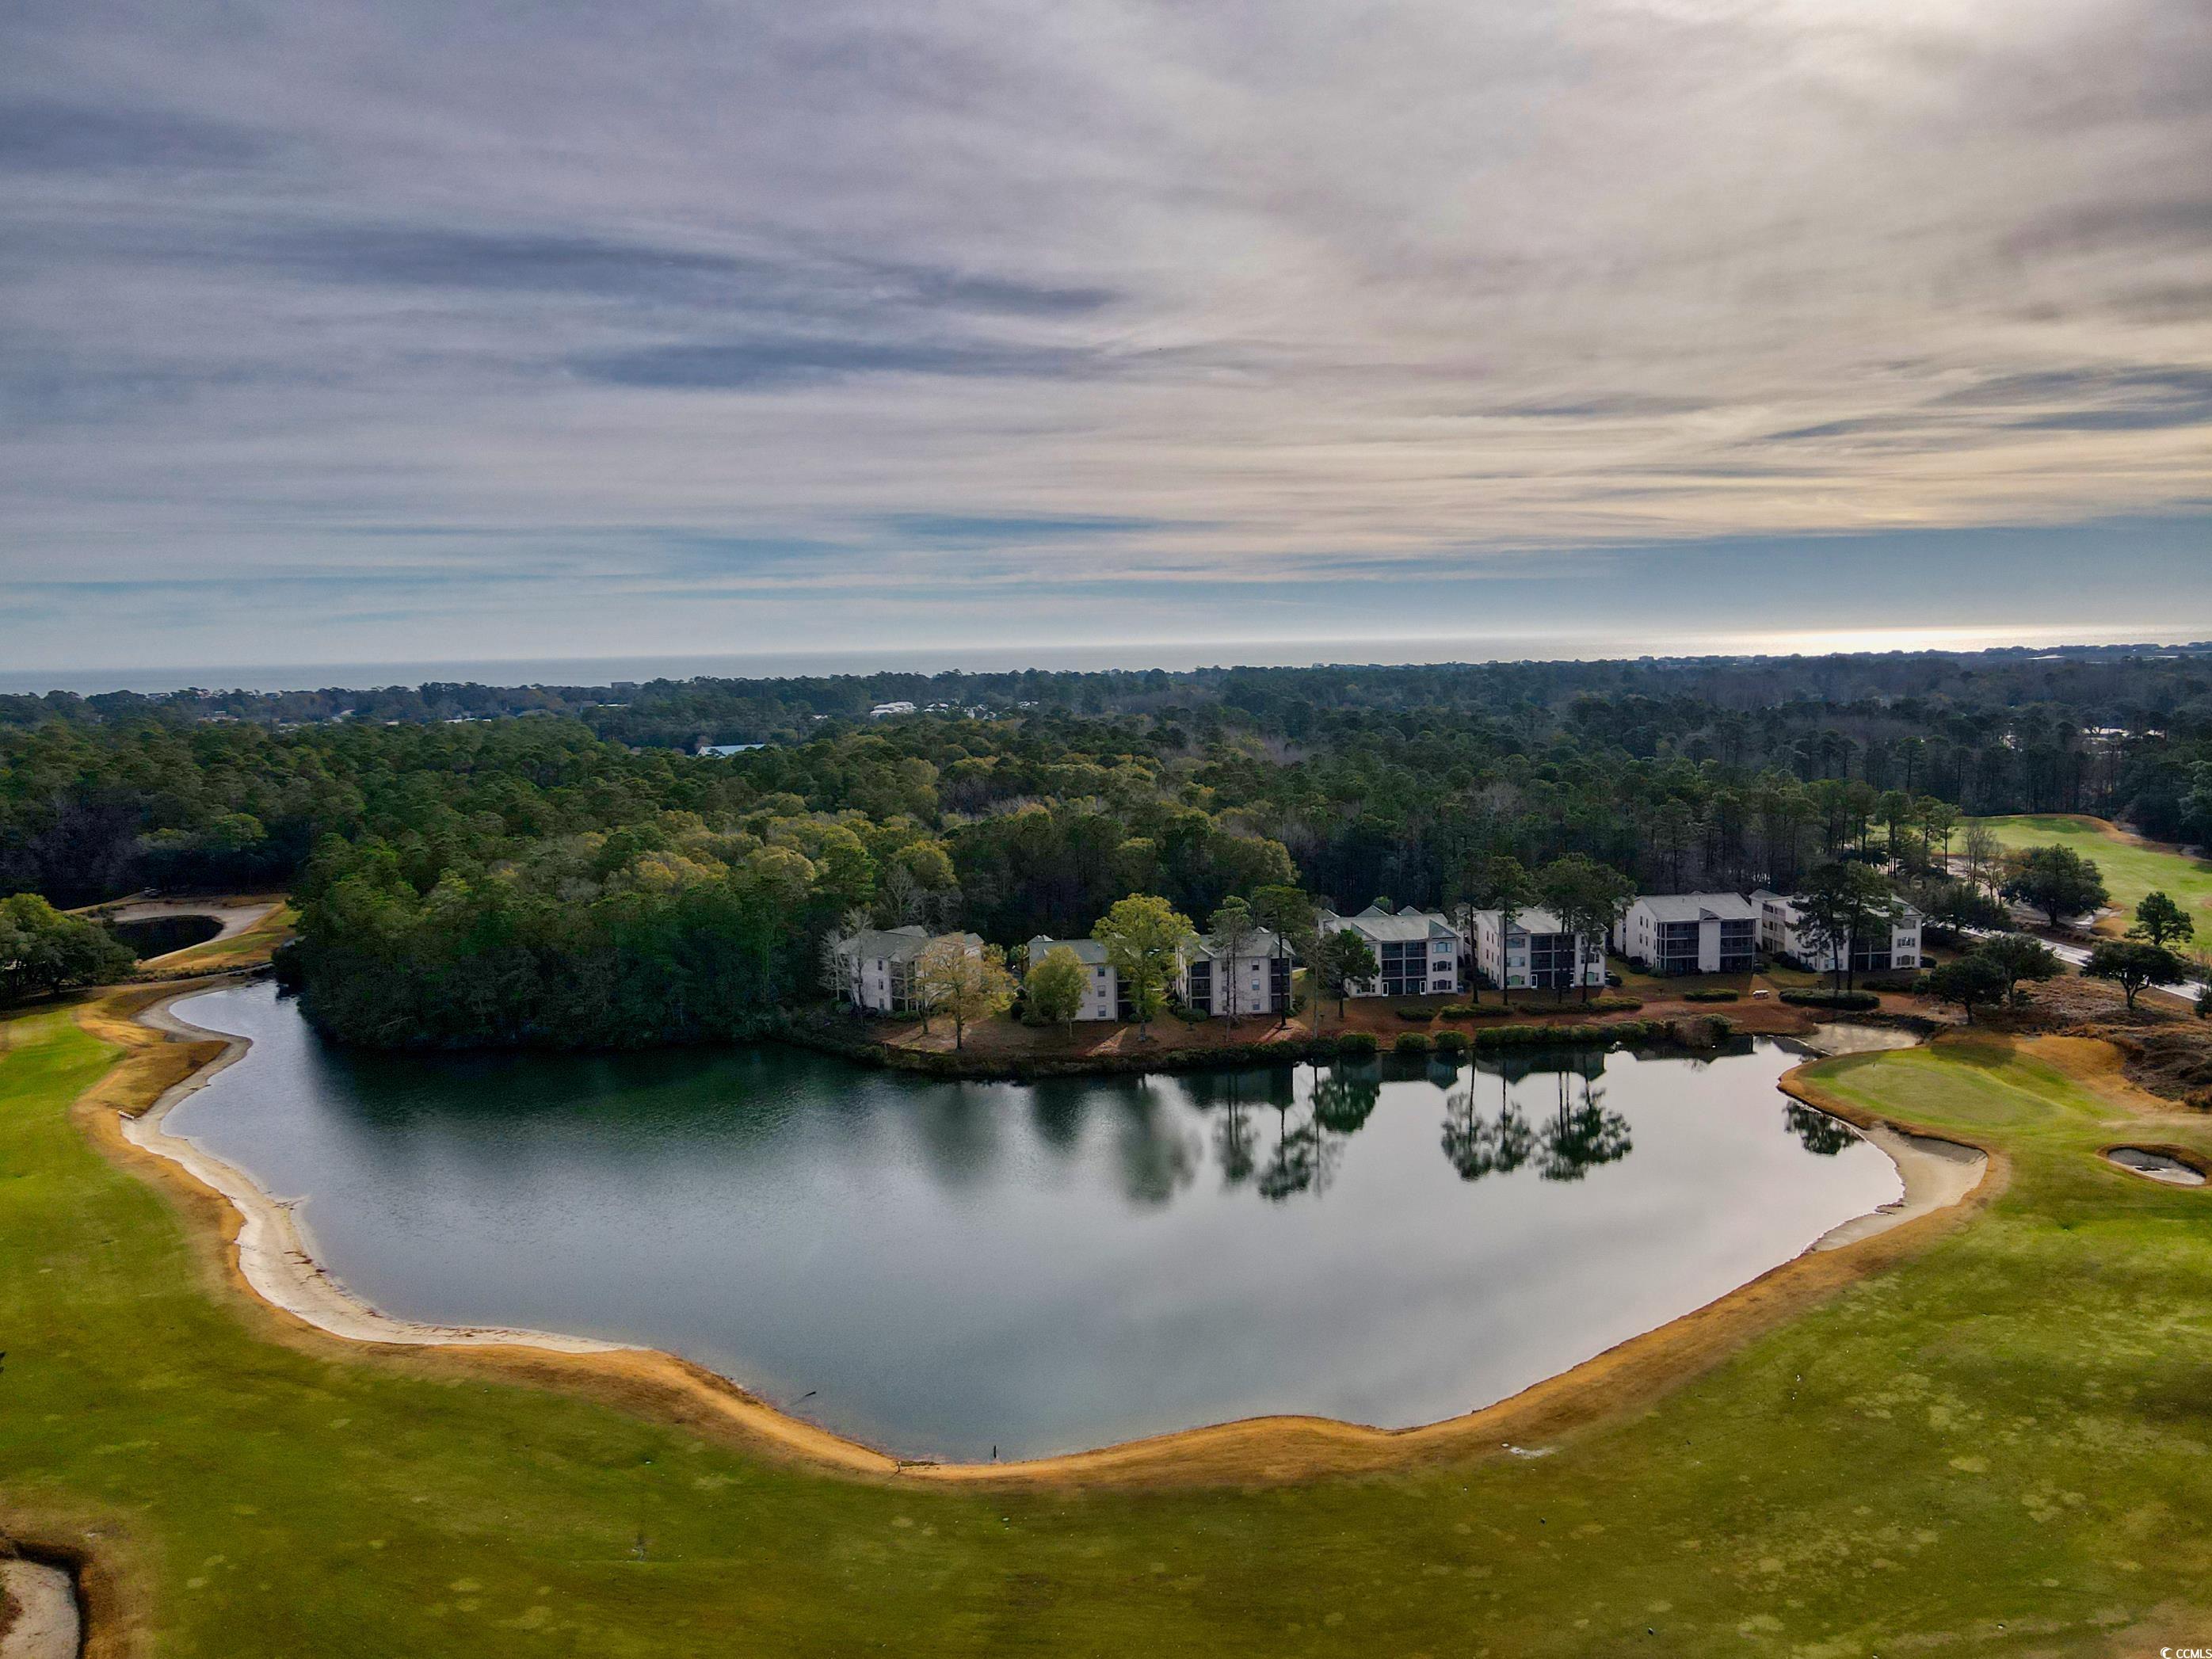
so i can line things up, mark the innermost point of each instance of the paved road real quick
(2077, 956)
(232, 919)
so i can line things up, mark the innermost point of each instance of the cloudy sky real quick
(405, 332)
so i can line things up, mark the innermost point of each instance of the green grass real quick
(2130, 870)
(2004, 1446)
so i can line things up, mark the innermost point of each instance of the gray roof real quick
(1905, 912)
(1533, 921)
(1088, 951)
(1262, 943)
(1699, 907)
(1376, 923)
(900, 943)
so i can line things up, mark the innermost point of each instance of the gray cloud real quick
(1000, 295)
(42, 136)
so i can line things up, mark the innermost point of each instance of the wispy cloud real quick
(999, 301)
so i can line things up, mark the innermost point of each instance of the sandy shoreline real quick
(274, 1252)
(275, 1260)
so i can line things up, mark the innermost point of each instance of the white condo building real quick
(1534, 950)
(1103, 996)
(1257, 982)
(1782, 933)
(1417, 951)
(1690, 934)
(879, 963)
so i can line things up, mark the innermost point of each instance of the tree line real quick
(532, 875)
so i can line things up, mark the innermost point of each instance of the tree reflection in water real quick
(1581, 1134)
(1822, 1134)
(1573, 1134)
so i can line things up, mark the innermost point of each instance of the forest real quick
(562, 869)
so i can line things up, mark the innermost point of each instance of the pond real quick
(956, 1269)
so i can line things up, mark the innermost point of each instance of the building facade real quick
(1533, 950)
(1782, 932)
(1417, 951)
(1257, 981)
(1103, 995)
(1690, 934)
(879, 963)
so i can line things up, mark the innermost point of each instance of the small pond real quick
(944, 1268)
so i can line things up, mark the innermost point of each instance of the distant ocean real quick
(607, 670)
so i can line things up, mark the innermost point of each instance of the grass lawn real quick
(2002, 1446)
(2130, 868)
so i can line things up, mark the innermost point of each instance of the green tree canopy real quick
(42, 950)
(2161, 921)
(2135, 967)
(1143, 935)
(2015, 957)
(1971, 981)
(2056, 880)
(1054, 990)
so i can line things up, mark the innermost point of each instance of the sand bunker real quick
(1937, 1173)
(2157, 1166)
(43, 1602)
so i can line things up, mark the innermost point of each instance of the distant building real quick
(1690, 934)
(1103, 997)
(1533, 952)
(724, 751)
(879, 963)
(1418, 950)
(883, 711)
(1782, 932)
(1258, 982)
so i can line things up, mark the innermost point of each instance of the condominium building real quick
(1256, 981)
(1534, 950)
(879, 964)
(1894, 942)
(1417, 951)
(1103, 996)
(1690, 934)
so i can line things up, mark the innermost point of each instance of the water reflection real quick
(947, 1266)
(1818, 1132)
(1280, 1133)
(1579, 1133)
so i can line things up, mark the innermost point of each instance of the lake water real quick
(943, 1269)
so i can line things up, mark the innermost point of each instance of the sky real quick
(408, 332)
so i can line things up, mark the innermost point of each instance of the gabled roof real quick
(1088, 951)
(1264, 942)
(1698, 907)
(1533, 920)
(1796, 902)
(1379, 925)
(900, 943)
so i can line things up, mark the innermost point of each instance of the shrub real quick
(1359, 1043)
(1856, 1001)
(1412, 1043)
(1711, 995)
(1404, 1011)
(1896, 981)
(1452, 1043)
